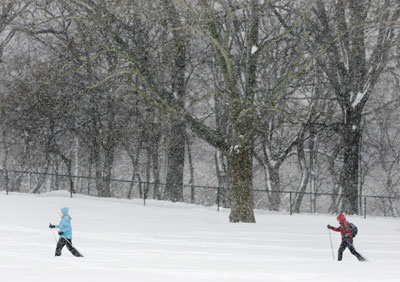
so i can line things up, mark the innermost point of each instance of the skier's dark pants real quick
(62, 242)
(349, 245)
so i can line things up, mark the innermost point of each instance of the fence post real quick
(218, 198)
(365, 207)
(311, 203)
(6, 174)
(192, 191)
(71, 187)
(290, 200)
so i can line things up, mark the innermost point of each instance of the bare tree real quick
(357, 39)
(9, 11)
(381, 156)
(237, 58)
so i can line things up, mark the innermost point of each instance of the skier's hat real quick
(341, 218)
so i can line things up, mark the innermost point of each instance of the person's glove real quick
(329, 226)
(60, 233)
(51, 225)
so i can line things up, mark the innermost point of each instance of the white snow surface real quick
(123, 240)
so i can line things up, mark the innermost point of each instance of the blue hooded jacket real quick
(65, 224)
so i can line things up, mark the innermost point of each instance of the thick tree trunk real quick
(349, 181)
(240, 175)
(176, 158)
(240, 159)
(176, 149)
(353, 68)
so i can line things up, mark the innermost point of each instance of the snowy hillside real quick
(122, 240)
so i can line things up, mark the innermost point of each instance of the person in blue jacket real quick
(65, 232)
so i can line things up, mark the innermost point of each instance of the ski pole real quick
(55, 238)
(330, 237)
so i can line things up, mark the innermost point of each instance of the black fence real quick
(372, 205)
(323, 203)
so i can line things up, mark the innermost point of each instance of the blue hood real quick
(64, 211)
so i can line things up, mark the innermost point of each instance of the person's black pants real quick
(62, 242)
(349, 245)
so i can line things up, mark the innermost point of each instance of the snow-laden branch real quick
(361, 95)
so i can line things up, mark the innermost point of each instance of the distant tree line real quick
(287, 94)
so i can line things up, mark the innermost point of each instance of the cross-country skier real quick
(65, 232)
(347, 238)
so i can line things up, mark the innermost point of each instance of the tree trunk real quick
(273, 183)
(353, 68)
(42, 176)
(68, 164)
(56, 176)
(241, 175)
(191, 167)
(148, 171)
(271, 166)
(107, 172)
(76, 169)
(97, 167)
(176, 159)
(134, 156)
(90, 166)
(304, 175)
(16, 181)
(176, 149)
(5, 161)
(223, 180)
(313, 148)
(155, 143)
(156, 176)
(349, 180)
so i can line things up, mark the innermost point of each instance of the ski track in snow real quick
(122, 240)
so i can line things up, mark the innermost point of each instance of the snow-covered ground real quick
(122, 240)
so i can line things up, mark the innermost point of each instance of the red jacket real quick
(344, 229)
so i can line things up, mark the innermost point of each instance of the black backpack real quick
(354, 230)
